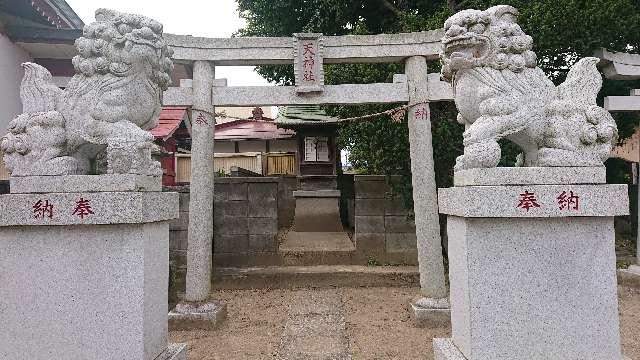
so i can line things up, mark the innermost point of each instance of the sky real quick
(211, 18)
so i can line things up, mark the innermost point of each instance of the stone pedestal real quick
(317, 182)
(532, 266)
(317, 211)
(84, 273)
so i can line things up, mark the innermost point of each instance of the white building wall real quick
(11, 56)
(280, 145)
(283, 145)
(252, 146)
(224, 147)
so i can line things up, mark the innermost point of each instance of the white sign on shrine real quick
(308, 67)
(316, 148)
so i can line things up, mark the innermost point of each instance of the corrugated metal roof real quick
(302, 115)
(169, 122)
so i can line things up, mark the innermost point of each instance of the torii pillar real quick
(198, 311)
(433, 308)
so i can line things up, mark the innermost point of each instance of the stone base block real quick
(629, 276)
(174, 352)
(190, 316)
(84, 292)
(533, 288)
(427, 312)
(445, 349)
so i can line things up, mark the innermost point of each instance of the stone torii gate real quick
(308, 53)
(624, 66)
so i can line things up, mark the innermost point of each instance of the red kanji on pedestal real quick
(42, 209)
(83, 208)
(527, 201)
(569, 201)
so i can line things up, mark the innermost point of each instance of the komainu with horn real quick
(501, 93)
(100, 122)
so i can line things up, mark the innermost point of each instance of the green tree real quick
(563, 31)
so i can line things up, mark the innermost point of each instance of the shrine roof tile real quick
(169, 122)
(302, 115)
(246, 129)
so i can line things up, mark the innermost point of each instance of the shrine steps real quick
(316, 248)
(318, 276)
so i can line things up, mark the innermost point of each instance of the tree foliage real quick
(563, 31)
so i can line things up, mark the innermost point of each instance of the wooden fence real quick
(266, 164)
(183, 168)
(281, 164)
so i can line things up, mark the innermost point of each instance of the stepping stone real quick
(315, 327)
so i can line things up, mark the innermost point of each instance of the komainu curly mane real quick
(99, 122)
(501, 93)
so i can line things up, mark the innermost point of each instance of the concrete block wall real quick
(248, 211)
(245, 216)
(383, 232)
(178, 230)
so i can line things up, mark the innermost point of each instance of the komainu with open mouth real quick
(100, 122)
(501, 93)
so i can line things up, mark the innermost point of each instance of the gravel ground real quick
(255, 322)
(629, 307)
(377, 322)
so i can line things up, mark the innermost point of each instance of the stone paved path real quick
(315, 327)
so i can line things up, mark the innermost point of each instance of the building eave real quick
(23, 34)
(66, 13)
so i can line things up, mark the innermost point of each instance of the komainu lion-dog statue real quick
(500, 93)
(100, 122)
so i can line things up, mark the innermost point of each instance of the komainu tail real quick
(37, 91)
(583, 82)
